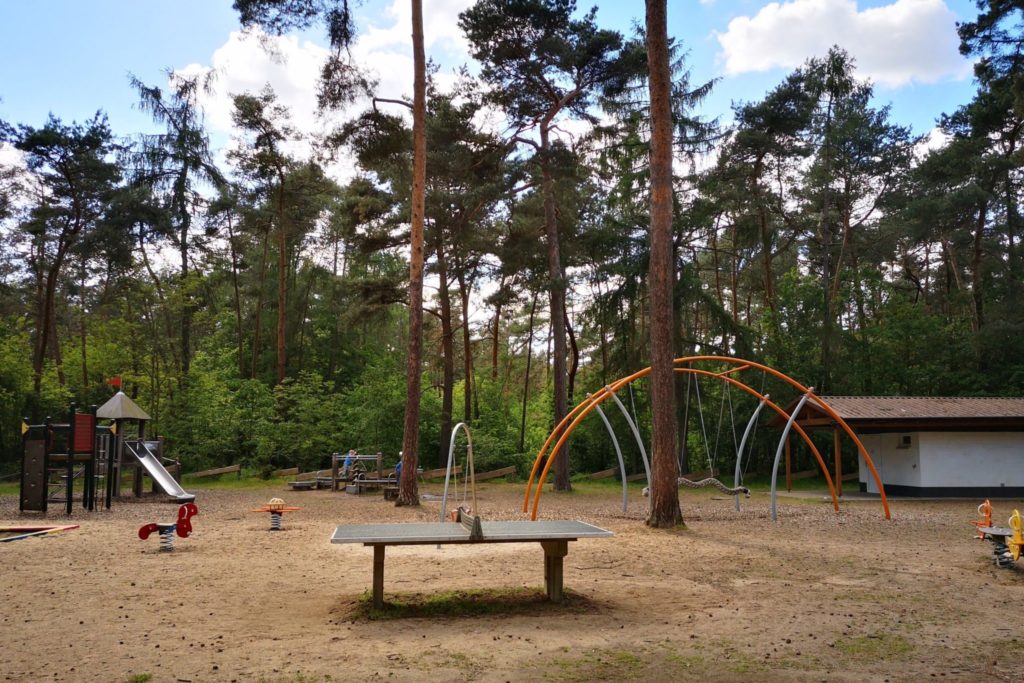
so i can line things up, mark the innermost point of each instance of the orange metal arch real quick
(597, 399)
(571, 420)
(821, 404)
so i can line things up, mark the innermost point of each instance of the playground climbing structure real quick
(723, 368)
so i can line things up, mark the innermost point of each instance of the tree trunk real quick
(825, 232)
(158, 286)
(82, 332)
(55, 347)
(557, 287)
(259, 304)
(238, 299)
(447, 353)
(467, 348)
(47, 330)
(303, 316)
(574, 366)
(282, 282)
(976, 275)
(407, 492)
(496, 331)
(186, 300)
(526, 378)
(665, 510)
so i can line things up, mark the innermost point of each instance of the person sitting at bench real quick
(398, 471)
(346, 467)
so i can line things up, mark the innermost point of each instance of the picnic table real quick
(554, 537)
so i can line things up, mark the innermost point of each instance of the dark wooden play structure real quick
(57, 454)
(77, 453)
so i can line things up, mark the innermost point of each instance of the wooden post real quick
(838, 448)
(554, 551)
(378, 576)
(789, 464)
(70, 467)
(137, 479)
(118, 447)
(334, 471)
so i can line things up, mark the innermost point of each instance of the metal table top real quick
(420, 533)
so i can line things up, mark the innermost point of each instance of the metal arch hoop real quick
(569, 422)
(470, 474)
(778, 451)
(618, 454)
(743, 446)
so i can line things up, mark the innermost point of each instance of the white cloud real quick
(247, 61)
(896, 44)
(250, 60)
(11, 156)
(440, 27)
(932, 141)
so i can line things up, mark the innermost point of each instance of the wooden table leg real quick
(554, 551)
(378, 576)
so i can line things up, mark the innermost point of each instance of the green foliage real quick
(817, 244)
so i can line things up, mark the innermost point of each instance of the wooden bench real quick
(307, 481)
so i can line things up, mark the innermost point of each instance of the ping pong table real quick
(553, 536)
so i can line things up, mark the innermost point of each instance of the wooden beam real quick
(434, 474)
(838, 449)
(604, 474)
(219, 470)
(285, 473)
(494, 474)
(789, 464)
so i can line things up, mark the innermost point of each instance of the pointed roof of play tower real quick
(120, 407)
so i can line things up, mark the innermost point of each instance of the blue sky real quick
(72, 57)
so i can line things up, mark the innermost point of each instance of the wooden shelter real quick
(931, 446)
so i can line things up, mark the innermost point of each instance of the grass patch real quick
(677, 661)
(140, 678)
(232, 482)
(596, 665)
(467, 603)
(874, 646)
(662, 662)
(469, 667)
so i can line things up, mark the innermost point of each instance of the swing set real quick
(733, 368)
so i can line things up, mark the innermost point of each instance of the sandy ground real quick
(817, 596)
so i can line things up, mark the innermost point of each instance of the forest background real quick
(255, 305)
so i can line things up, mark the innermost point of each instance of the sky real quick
(73, 57)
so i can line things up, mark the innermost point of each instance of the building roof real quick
(120, 407)
(914, 413)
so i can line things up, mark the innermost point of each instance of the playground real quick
(734, 596)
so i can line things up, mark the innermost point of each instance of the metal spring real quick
(167, 540)
(1001, 555)
(275, 521)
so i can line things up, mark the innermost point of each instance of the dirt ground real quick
(816, 596)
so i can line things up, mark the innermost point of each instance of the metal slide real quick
(160, 475)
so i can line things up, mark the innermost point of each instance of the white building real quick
(934, 446)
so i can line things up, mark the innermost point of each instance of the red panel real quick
(85, 432)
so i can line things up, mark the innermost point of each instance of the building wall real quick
(896, 466)
(946, 463)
